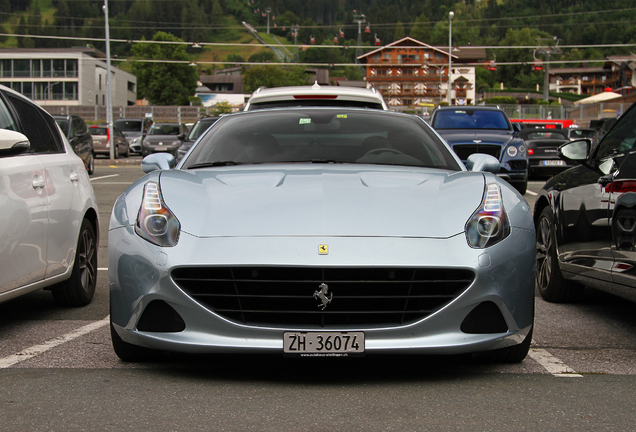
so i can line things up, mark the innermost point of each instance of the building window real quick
(408, 58)
(21, 68)
(57, 91)
(46, 68)
(36, 68)
(59, 68)
(100, 82)
(131, 86)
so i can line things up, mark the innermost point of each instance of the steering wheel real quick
(383, 150)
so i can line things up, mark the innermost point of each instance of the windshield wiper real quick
(214, 164)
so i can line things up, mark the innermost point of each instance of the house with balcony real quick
(65, 76)
(616, 73)
(411, 73)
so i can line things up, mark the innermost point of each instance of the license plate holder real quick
(323, 344)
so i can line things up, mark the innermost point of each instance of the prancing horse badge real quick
(323, 249)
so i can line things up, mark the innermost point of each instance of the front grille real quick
(465, 150)
(359, 296)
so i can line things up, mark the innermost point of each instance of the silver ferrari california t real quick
(321, 232)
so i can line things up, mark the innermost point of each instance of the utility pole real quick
(551, 49)
(360, 19)
(109, 100)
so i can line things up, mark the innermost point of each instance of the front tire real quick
(79, 289)
(552, 286)
(129, 352)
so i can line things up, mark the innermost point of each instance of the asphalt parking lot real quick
(58, 372)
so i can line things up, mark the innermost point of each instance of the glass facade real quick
(25, 68)
(45, 90)
(42, 68)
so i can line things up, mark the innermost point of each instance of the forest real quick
(591, 25)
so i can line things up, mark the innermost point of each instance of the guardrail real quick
(97, 113)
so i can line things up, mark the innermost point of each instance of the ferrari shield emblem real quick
(323, 249)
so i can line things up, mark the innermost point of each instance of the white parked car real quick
(49, 224)
(315, 95)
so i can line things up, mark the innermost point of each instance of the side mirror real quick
(158, 161)
(575, 151)
(483, 162)
(13, 143)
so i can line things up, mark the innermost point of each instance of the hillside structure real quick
(411, 73)
(65, 76)
(616, 74)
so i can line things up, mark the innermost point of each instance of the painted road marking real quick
(52, 343)
(103, 177)
(552, 364)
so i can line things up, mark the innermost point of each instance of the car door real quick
(62, 173)
(622, 203)
(24, 219)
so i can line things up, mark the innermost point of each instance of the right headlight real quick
(155, 222)
(489, 224)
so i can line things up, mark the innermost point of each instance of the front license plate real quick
(552, 163)
(323, 344)
(161, 149)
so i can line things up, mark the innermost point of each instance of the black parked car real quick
(198, 129)
(480, 129)
(585, 218)
(75, 129)
(542, 146)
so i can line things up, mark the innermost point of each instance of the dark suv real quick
(75, 129)
(480, 129)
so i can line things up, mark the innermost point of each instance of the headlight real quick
(155, 221)
(146, 142)
(175, 142)
(489, 224)
(512, 151)
(135, 140)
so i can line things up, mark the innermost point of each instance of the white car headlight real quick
(176, 142)
(512, 151)
(489, 224)
(155, 221)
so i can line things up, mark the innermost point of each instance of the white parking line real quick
(103, 177)
(552, 364)
(39, 349)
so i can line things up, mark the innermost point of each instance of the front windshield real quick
(471, 119)
(164, 129)
(128, 125)
(321, 136)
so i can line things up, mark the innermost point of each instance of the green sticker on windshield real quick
(341, 116)
(305, 121)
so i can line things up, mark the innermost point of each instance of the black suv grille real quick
(465, 150)
(359, 296)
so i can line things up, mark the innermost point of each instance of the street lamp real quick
(451, 14)
(268, 10)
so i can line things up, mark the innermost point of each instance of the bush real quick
(501, 100)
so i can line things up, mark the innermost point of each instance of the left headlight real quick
(489, 224)
(155, 221)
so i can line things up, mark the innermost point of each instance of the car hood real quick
(309, 201)
(469, 136)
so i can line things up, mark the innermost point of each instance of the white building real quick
(65, 76)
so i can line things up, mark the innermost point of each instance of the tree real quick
(221, 107)
(273, 76)
(421, 30)
(163, 82)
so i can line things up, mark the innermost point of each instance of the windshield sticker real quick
(305, 121)
(341, 116)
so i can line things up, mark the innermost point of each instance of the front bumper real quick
(139, 273)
